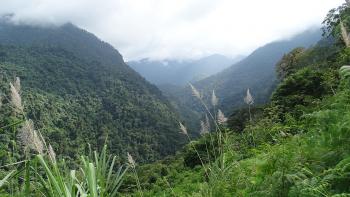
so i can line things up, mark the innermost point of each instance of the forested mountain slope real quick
(78, 91)
(256, 71)
(295, 145)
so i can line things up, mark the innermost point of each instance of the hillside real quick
(295, 145)
(256, 71)
(179, 73)
(76, 121)
(79, 91)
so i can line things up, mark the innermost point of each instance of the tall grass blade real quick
(4, 180)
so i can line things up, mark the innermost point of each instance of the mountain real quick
(296, 145)
(78, 91)
(176, 72)
(256, 72)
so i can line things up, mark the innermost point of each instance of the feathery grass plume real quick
(16, 99)
(344, 34)
(248, 99)
(348, 3)
(207, 122)
(204, 128)
(221, 117)
(214, 99)
(52, 154)
(17, 84)
(195, 92)
(183, 129)
(29, 137)
(131, 161)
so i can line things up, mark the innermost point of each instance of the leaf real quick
(4, 180)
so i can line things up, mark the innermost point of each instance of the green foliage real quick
(97, 177)
(297, 145)
(78, 90)
(274, 159)
(303, 88)
(207, 148)
(256, 72)
(240, 118)
(3, 181)
(332, 21)
(288, 64)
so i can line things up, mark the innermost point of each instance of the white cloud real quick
(178, 28)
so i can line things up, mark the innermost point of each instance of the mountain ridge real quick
(93, 97)
(256, 72)
(180, 72)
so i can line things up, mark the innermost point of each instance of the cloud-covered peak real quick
(161, 29)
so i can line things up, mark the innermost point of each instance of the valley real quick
(271, 117)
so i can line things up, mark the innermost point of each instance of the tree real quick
(289, 62)
(336, 22)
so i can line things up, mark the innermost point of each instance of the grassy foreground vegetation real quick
(35, 171)
(296, 145)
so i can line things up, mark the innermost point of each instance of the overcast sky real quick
(160, 29)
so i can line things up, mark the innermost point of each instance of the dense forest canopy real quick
(79, 91)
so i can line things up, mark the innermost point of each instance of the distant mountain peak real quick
(180, 72)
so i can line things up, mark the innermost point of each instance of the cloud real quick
(160, 29)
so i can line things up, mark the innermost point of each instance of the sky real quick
(178, 29)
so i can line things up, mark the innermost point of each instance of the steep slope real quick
(174, 72)
(257, 72)
(299, 157)
(297, 146)
(79, 91)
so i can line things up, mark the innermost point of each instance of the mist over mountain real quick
(187, 115)
(180, 72)
(79, 91)
(256, 72)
